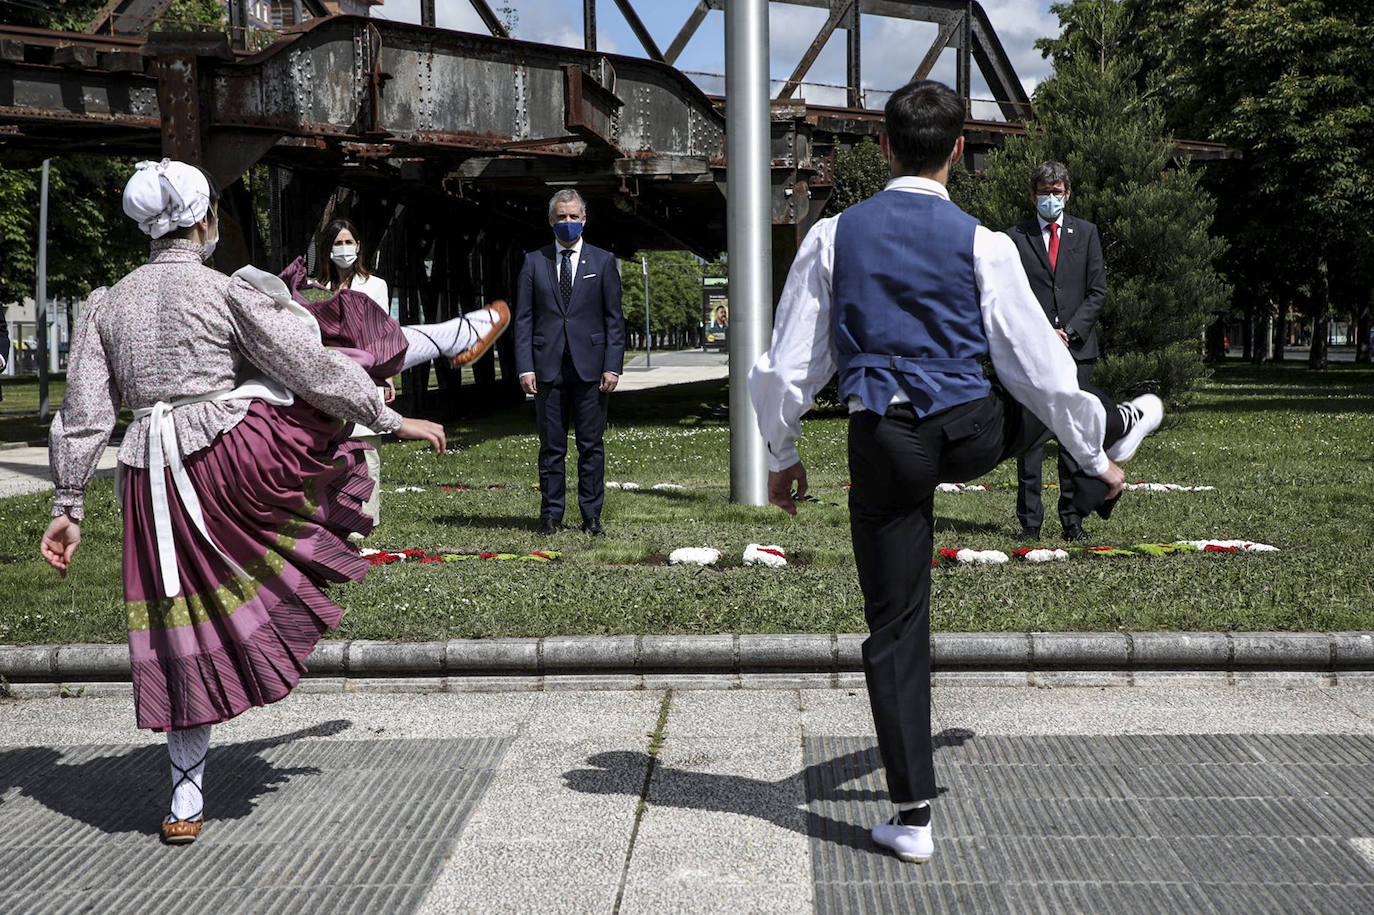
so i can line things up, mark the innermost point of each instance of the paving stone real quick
(91, 812)
(1101, 823)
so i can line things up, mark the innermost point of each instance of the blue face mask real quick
(568, 232)
(1049, 206)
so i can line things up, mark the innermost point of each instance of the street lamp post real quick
(40, 296)
(648, 341)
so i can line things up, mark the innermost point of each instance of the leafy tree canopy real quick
(1153, 213)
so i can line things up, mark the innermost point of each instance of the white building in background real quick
(275, 14)
(23, 357)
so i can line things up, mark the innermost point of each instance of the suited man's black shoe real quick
(1075, 534)
(1028, 535)
(592, 526)
(548, 527)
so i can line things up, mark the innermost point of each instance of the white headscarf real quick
(166, 195)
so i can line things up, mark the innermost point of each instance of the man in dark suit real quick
(1063, 259)
(569, 351)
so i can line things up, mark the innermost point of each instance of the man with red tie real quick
(1063, 259)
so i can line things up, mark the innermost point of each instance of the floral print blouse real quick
(176, 328)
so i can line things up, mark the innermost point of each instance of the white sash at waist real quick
(164, 452)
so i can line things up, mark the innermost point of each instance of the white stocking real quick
(429, 341)
(187, 750)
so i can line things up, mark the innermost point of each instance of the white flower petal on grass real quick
(629, 485)
(668, 487)
(612, 484)
(758, 554)
(1248, 546)
(409, 489)
(963, 487)
(364, 551)
(1044, 555)
(986, 557)
(1167, 487)
(693, 555)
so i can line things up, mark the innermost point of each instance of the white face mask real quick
(208, 251)
(344, 255)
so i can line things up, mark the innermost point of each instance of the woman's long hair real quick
(326, 272)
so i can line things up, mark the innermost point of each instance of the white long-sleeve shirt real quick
(1032, 363)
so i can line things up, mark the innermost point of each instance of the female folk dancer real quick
(237, 494)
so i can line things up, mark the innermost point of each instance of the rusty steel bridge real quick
(445, 146)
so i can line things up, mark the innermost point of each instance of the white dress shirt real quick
(1031, 361)
(558, 249)
(374, 287)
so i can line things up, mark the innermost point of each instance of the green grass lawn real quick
(19, 420)
(1290, 452)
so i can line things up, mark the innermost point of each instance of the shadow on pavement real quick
(129, 791)
(772, 801)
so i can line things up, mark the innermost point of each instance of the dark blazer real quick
(591, 328)
(1076, 292)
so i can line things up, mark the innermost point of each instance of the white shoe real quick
(910, 843)
(1143, 416)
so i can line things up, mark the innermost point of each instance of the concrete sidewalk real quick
(673, 367)
(1249, 798)
(24, 469)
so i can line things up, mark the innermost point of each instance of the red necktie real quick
(1054, 245)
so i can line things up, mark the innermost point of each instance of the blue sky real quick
(892, 48)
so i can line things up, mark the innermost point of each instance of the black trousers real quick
(895, 462)
(567, 398)
(1030, 508)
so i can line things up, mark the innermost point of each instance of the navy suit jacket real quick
(1076, 292)
(591, 328)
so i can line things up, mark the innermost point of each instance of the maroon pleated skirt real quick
(280, 492)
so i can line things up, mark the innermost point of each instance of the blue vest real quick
(904, 309)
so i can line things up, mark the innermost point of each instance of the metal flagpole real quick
(40, 296)
(748, 235)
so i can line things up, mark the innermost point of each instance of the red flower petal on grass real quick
(497, 486)
(949, 554)
(413, 554)
(541, 555)
(1213, 548)
(1022, 553)
(771, 552)
(488, 555)
(431, 559)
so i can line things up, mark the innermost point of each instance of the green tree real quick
(860, 172)
(674, 293)
(1152, 211)
(1286, 83)
(90, 242)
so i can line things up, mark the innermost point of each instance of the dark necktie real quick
(1054, 245)
(565, 277)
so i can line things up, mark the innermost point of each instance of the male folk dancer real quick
(905, 295)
